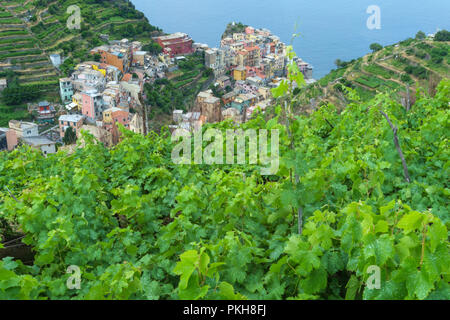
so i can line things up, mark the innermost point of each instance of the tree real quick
(376, 47)
(338, 63)
(442, 35)
(70, 136)
(97, 57)
(208, 72)
(420, 35)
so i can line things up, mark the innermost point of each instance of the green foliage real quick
(442, 35)
(167, 95)
(16, 94)
(153, 48)
(234, 28)
(377, 70)
(417, 71)
(140, 227)
(369, 81)
(376, 47)
(421, 35)
(70, 137)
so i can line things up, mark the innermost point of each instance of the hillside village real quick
(112, 80)
(100, 95)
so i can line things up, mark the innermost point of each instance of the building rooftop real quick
(127, 77)
(173, 36)
(71, 117)
(204, 94)
(71, 106)
(44, 103)
(114, 109)
(229, 95)
(22, 124)
(212, 99)
(38, 141)
(241, 68)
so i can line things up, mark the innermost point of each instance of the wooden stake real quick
(397, 145)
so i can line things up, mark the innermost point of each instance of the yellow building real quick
(240, 73)
(77, 98)
(103, 71)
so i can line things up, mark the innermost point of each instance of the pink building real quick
(249, 30)
(11, 139)
(92, 104)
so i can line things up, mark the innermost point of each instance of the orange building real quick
(121, 59)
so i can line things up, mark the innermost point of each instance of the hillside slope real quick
(417, 63)
(31, 30)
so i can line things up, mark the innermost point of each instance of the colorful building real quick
(209, 106)
(240, 73)
(66, 90)
(46, 113)
(92, 104)
(120, 58)
(74, 121)
(113, 116)
(176, 44)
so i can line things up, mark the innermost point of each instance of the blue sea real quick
(329, 29)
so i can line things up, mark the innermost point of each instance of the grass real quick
(11, 21)
(17, 47)
(13, 33)
(20, 53)
(380, 71)
(364, 94)
(5, 14)
(369, 81)
(333, 75)
(7, 41)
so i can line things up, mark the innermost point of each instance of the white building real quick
(41, 143)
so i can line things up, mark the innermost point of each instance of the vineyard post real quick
(297, 178)
(408, 98)
(12, 196)
(397, 145)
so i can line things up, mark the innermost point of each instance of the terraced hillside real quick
(411, 63)
(32, 30)
(20, 49)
